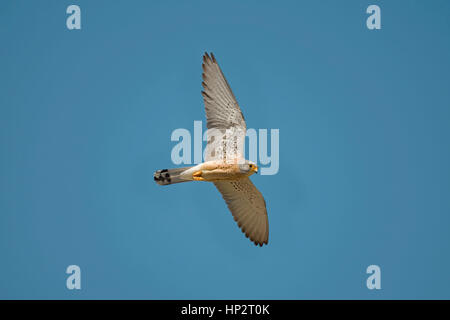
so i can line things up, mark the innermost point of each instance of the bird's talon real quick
(197, 176)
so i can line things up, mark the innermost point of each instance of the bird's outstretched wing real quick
(225, 121)
(248, 207)
(222, 109)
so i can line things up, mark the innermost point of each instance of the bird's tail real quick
(170, 176)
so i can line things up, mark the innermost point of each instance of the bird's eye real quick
(251, 166)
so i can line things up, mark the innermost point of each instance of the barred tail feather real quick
(170, 176)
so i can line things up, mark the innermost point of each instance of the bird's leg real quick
(197, 176)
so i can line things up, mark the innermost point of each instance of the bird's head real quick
(248, 168)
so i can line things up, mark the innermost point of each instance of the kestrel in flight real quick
(225, 165)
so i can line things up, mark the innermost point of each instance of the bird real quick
(225, 164)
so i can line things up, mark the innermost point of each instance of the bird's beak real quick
(255, 168)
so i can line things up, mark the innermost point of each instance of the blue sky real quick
(86, 117)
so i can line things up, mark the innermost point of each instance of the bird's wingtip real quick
(209, 56)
